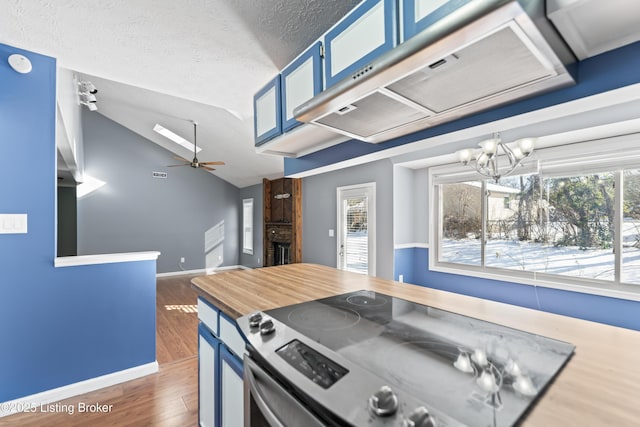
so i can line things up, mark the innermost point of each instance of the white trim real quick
(203, 271)
(577, 106)
(182, 272)
(247, 222)
(75, 389)
(70, 261)
(410, 245)
(615, 291)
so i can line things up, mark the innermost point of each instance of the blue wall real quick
(413, 264)
(602, 73)
(58, 326)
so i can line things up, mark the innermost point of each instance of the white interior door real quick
(356, 228)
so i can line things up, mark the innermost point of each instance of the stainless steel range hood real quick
(484, 54)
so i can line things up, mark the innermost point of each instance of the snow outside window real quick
(247, 226)
(545, 226)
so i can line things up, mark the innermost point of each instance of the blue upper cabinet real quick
(420, 14)
(367, 32)
(267, 112)
(301, 81)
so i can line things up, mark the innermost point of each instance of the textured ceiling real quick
(216, 53)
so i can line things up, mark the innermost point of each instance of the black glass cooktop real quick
(479, 373)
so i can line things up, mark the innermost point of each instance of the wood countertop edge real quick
(600, 384)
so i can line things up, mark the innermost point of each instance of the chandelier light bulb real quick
(526, 145)
(465, 156)
(517, 152)
(489, 146)
(482, 159)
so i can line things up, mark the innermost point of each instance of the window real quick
(247, 226)
(568, 222)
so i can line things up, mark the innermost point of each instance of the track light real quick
(86, 86)
(90, 105)
(87, 97)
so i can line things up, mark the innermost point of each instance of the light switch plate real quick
(331, 233)
(13, 223)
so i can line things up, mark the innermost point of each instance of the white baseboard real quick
(181, 272)
(202, 271)
(75, 389)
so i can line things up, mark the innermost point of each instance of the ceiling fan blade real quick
(180, 158)
(212, 163)
(206, 167)
(173, 166)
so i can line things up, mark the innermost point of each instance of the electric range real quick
(369, 359)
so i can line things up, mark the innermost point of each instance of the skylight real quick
(175, 138)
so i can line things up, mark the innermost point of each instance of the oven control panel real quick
(311, 364)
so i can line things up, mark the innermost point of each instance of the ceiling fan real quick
(195, 163)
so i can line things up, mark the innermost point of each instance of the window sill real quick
(72, 261)
(613, 290)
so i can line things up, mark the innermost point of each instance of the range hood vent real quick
(483, 62)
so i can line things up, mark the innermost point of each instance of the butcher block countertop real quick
(599, 386)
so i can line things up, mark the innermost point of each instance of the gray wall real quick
(136, 212)
(410, 205)
(319, 213)
(255, 192)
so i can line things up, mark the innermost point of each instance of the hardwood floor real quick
(176, 319)
(168, 398)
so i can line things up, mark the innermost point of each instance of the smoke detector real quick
(20, 63)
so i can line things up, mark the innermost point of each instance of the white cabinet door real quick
(301, 81)
(361, 36)
(231, 390)
(267, 112)
(208, 348)
(420, 14)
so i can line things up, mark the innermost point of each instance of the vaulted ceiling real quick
(168, 62)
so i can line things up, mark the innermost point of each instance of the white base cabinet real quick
(220, 383)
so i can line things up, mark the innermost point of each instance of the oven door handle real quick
(268, 414)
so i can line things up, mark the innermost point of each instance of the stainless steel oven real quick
(268, 404)
(369, 359)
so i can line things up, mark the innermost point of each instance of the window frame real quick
(247, 246)
(551, 161)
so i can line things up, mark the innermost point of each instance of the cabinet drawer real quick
(230, 336)
(208, 315)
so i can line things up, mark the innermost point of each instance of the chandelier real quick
(495, 159)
